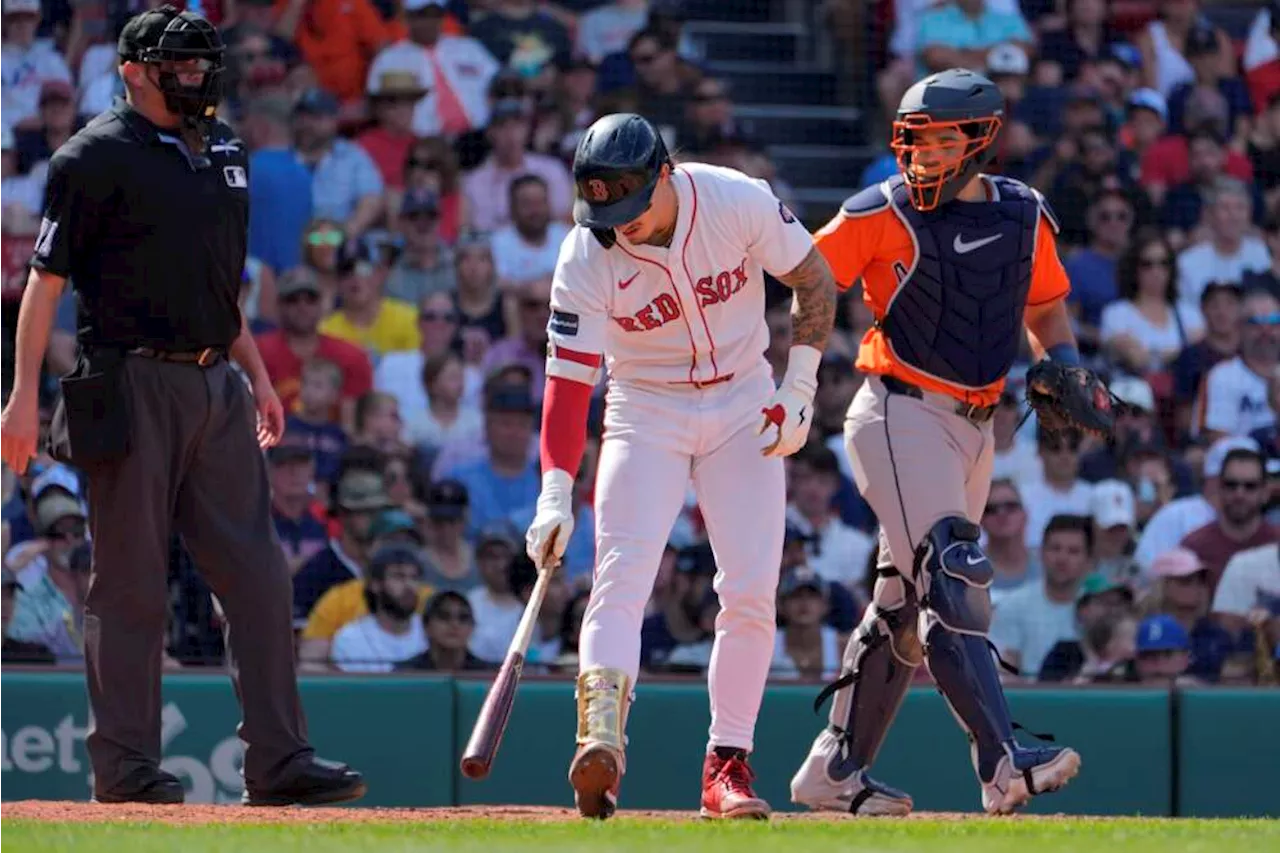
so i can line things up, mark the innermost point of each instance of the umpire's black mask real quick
(187, 52)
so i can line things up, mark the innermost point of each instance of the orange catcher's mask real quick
(945, 134)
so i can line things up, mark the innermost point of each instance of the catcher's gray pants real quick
(916, 462)
(195, 467)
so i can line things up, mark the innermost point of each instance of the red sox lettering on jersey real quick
(689, 312)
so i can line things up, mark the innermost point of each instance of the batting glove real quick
(548, 535)
(789, 414)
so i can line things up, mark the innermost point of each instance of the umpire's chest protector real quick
(957, 312)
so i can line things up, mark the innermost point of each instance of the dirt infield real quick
(195, 815)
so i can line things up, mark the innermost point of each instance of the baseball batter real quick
(954, 264)
(660, 283)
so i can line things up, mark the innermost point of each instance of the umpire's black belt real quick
(968, 411)
(204, 357)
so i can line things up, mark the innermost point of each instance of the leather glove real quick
(789, 414)
(548, 535)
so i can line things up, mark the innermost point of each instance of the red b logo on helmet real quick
(596, 190)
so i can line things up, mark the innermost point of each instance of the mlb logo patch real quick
(235, 177)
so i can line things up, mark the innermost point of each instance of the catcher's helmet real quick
(958, 99)
(178, 42)
(615, 170)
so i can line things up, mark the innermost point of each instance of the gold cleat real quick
(595, 773)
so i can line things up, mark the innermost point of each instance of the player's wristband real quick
(803, 362)
(1064, 354)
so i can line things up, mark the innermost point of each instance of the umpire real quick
(146, 212)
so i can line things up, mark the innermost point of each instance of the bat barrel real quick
(490, 725)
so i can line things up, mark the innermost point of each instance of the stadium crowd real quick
(410, 189)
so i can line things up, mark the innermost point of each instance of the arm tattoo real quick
(813, 308)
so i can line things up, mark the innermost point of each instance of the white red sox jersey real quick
(688, 313)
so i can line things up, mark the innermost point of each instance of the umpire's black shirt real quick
(152, 238)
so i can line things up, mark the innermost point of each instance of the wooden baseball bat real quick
(487, 733)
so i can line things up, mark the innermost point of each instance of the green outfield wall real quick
(1151, 752)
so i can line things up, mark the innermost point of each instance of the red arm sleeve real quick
(564, 424)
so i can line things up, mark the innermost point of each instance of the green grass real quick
(1023, 835)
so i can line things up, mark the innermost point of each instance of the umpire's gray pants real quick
(194, 467)
(916, 462)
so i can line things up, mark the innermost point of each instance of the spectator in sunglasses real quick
(449, 622)
(528, 346)
(1242, 491)
(1004, 521)
(298, 339)
(1229, 249)
(1093, 270)
(1148, 327)
(425, 264)
(1234, 398)
(320, 244)
(1061, 491)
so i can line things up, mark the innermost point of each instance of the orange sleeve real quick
(1049, 281)
(849, 244)
(370, 30)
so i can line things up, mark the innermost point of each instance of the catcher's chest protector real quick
(957, 313)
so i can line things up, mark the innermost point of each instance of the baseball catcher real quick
(954, 265)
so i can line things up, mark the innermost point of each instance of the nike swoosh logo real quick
(972, 561)
(963, 248)
(623, 285)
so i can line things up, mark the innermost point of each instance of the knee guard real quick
(956, 577)
(879, 661)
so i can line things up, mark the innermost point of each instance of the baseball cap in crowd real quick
(424, 5)
(56, 476)
(54, 505)
(316, 101)
(395, 554)
(1176, 563)
(288, 451)
(510, 398)
(447, 500)
(22, 7)
(420, 202)
(1216, 456)
(1135, 392)
(9, 580)
(1112, 504)
(297, 280)
(470, 238)
(1099, 584)
(801, 577)
(499, 532)
(507, 108)
(696, 560)
(352, 255)
(1162, 633)
(56, 90)
(1007, 60)
(362, 491)
(394, 521)
(1150, 99)
(1201, 41)
(1214, 287)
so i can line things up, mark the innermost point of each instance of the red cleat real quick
(726, 788)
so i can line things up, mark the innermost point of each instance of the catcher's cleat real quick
(823, 784)
(597, 767)
(1025, 773)
(726, 787)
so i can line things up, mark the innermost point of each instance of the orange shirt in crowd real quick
(869, 247)
(339, 39)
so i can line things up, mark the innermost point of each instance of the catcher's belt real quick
(969, 411)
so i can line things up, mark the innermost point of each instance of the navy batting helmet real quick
(615, 169)
(953, 99)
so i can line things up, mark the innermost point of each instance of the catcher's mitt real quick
(1067, 398)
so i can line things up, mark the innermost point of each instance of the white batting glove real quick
(789, 414)
(548, 535)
